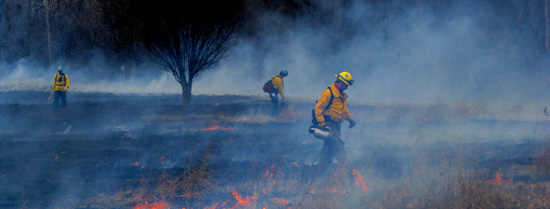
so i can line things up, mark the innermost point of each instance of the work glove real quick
(351, 123)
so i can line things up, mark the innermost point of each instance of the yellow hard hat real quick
(345, 77)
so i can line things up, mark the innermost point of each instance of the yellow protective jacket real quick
(60, 82)
(338, 111)
(277, 80)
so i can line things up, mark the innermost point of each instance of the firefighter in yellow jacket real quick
(60, 87)
(277, 81)
(330, 111)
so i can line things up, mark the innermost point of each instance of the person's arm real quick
(320, 107)
(348, 116)
(54, 80)
(347, 113)
(67, 82)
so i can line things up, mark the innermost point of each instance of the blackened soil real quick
(102, 144)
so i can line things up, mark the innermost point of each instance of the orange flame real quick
(156, 205)
(499, 180)
(335, 191)
(212, 128)
(245, 201)
(266, 189)
(359, 180)
(269, 175)
(213, 206)
(189, 194)
(281, 201)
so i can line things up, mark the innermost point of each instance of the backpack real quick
(314, 119)
(60, 78)
(268, 86)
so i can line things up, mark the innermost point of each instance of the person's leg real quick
(56, 99)
(63, 99)
(334, 130)
(338, 149)
(340, 154)
(342, 170)
(274, 97)
(326, 156)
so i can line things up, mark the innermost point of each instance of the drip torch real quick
(320, 133)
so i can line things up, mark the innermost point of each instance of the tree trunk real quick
(48, 30)
(547, 24)
(186, 93)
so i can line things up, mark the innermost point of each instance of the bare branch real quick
(186, 44)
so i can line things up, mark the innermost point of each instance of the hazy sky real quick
(412, 57)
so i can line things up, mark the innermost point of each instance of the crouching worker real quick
(329, 113)
(60, 87)
(274, 87)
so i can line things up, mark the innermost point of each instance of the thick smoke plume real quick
(468, 53)
(429, 77)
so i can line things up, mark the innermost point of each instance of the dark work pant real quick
(60, 95)
(274, 97)
(333, 148)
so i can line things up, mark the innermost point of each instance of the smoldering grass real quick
(462, 183)
(163, 186)
(541, 163)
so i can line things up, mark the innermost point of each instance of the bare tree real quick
(125, 29)
(547, 24)
(195, 37)
(48, 8)
(55, 9)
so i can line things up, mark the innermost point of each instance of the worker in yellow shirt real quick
(278, 85)
(330, 111)
(274, 87)
(60, 87)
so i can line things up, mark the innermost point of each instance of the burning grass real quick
(457, 180)
(251, 159)
(162, 189)
(462, 183)
(541, 163)
(467, 192)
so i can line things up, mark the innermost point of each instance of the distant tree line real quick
(74, 31)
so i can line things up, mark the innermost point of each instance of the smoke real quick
(25, 76)
(414, 57)
(459, 64)
(397, 53)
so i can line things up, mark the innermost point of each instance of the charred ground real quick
(124, 151)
